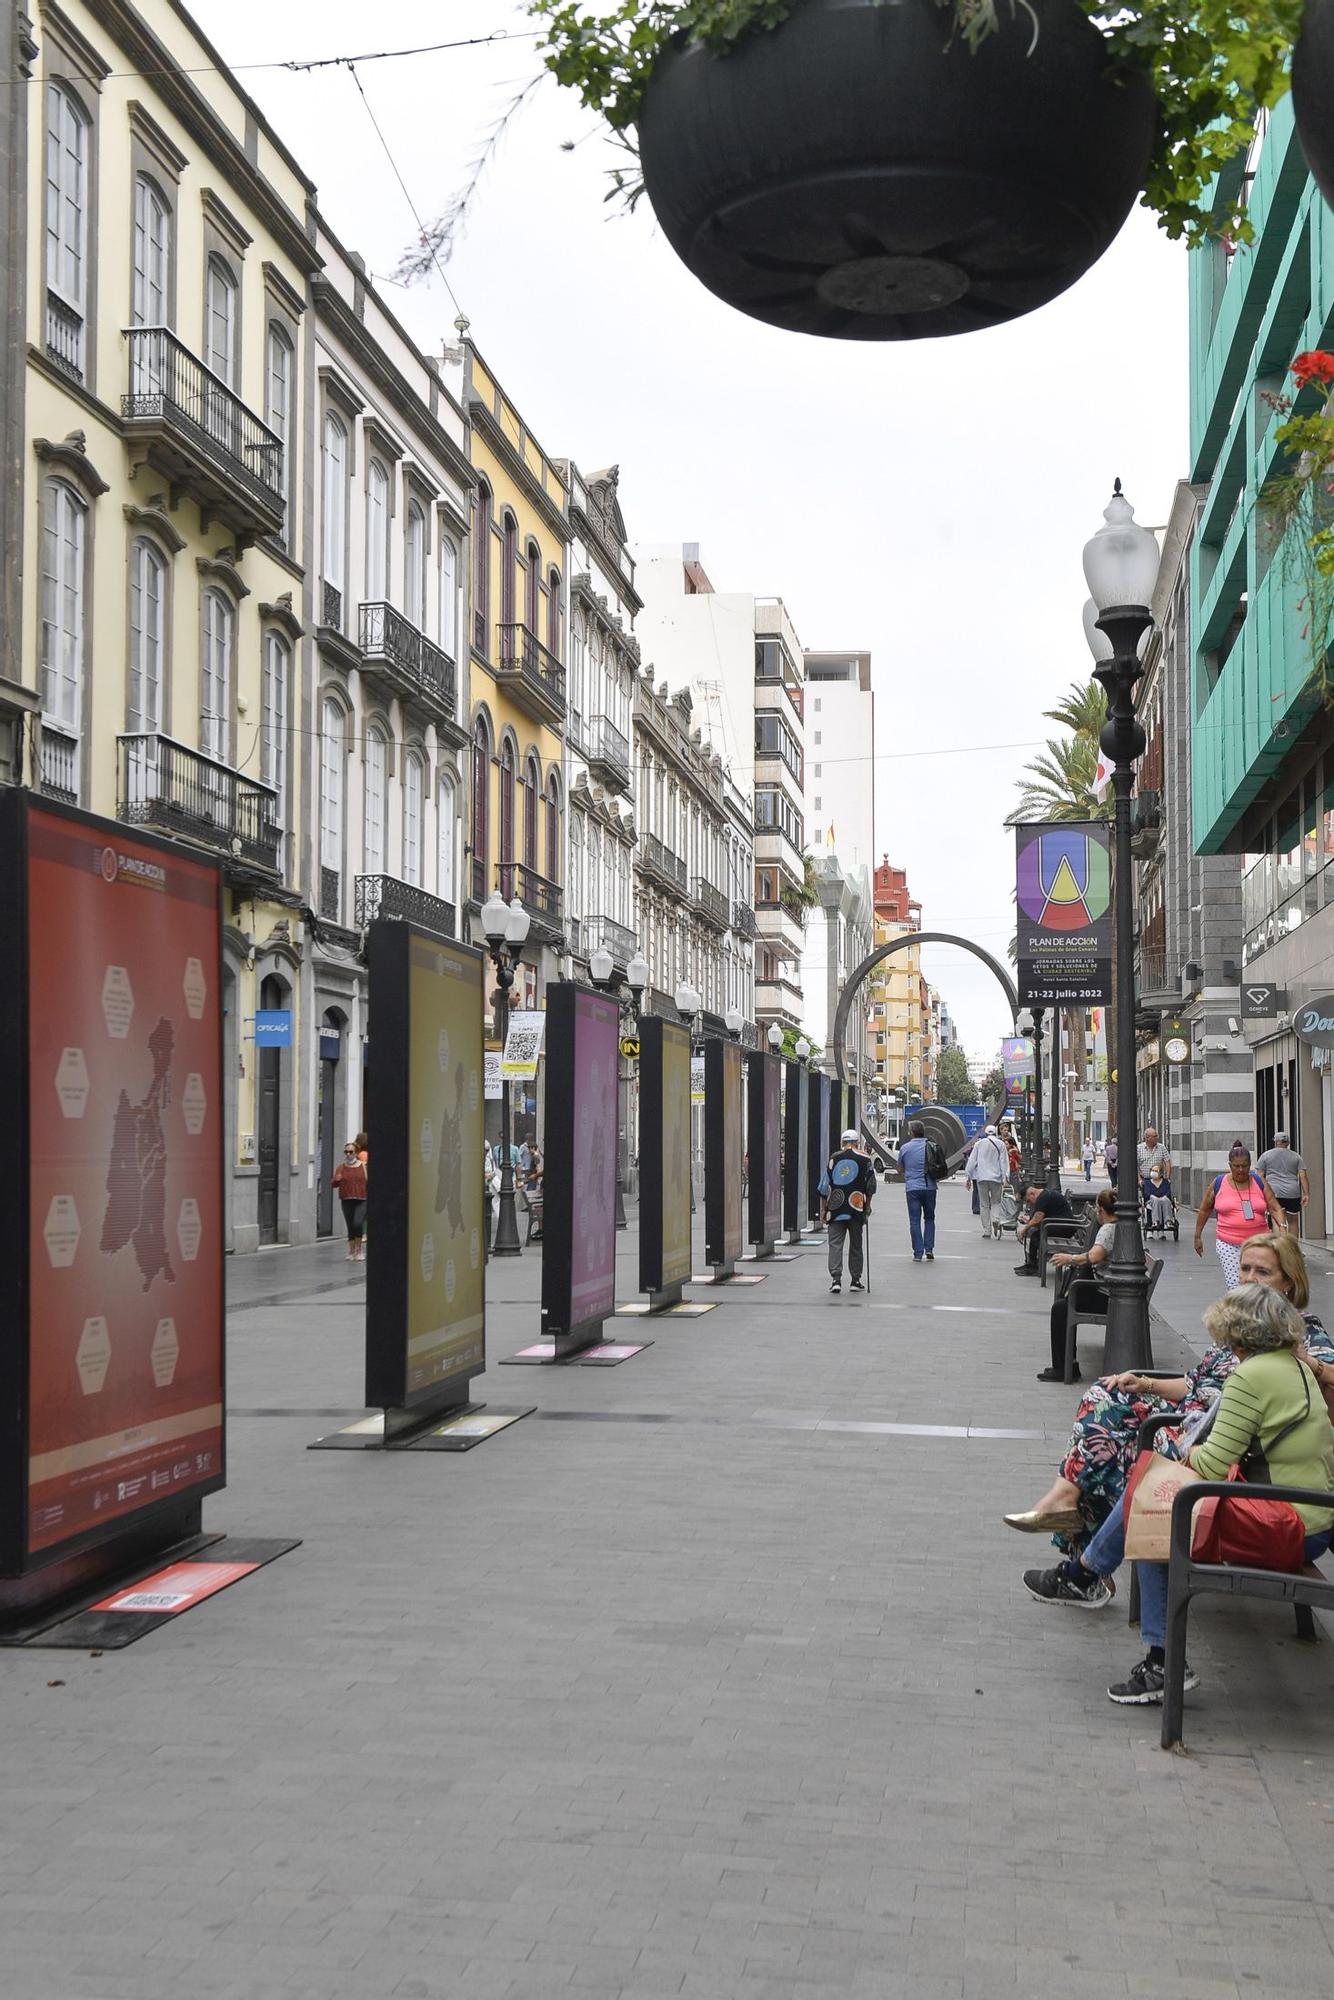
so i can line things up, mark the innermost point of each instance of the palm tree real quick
(1083, 708)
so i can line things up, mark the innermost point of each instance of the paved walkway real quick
(713, 1679)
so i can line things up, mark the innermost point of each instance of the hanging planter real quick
(859, 172)
(1313, 93)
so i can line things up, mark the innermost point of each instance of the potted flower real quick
(886, 169)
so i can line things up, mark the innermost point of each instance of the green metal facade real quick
(1249, 315)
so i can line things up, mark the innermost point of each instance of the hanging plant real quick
(889, 168)
(1297, 505)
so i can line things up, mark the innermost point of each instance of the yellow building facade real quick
(163, 606)
(515, 838)
(897, 1041)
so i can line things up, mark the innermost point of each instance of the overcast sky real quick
(928, 500)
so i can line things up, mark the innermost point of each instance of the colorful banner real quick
(124, 1167)
(1063, 896)
(1017, 1058)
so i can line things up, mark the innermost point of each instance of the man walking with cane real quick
(846, 1187)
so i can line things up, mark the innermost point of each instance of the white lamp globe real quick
(732, 1020)
(600, 965)
(1121, 560)
(636, 973)
(516, 923)
(775, 1035)
(495, 916)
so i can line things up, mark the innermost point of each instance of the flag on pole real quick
(1102, 777)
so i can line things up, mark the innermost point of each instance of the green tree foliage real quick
(953, 1083)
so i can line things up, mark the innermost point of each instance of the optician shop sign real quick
(1313, 1022)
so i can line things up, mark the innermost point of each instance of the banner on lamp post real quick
(1064, 904)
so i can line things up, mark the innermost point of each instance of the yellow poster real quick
(446, 1278)
(675, 1155)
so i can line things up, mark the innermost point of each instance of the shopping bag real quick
(1153, 1485)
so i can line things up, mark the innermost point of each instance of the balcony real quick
(331, 895)
(607, 753)
(744, 921)
(58, 767)
(1157, 981)
(712, 904)
(406, 660)
(660, 864)
(386, 896)
(183, 421)
(614, 937)
(331, 605)
(162, 784)
(542, 899)
(533, 676)
(64, 337)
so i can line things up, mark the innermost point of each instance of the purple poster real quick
(773, 1156)
(593, 1245)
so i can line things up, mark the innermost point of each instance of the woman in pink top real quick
(1242, 1207)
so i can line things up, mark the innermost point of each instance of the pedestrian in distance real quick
(1089, 1155)
(988, 1165)
(846, 1187)
(349, 1179)
(490, 1189)
(1242, 1206)
(1284, 1173)
(1109, 1159)
(1152, 1153)
(918, 1158)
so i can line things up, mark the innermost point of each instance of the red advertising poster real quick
(125, 1341)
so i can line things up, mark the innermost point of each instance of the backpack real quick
(937, 1166)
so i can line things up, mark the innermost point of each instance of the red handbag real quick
(1256, 1534)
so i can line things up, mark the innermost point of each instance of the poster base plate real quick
(393, 1431)
(770, 1257)
(145, 1599)
(682, 1309)
(730, 1278)
(610, 1353)
(464, 1429)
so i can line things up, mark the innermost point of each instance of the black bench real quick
(1306, 1590)
(1058, 1231)
(1077, 1316)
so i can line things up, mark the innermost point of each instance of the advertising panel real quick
(664, 1154)
(796, 1146)
(122, 1052)
(764, 1143)
(1063, 895)
(723, 1151)
(579, 1223)
(818, 1146)
(425, 1283)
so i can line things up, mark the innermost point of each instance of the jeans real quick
(1107, 1551)
(851, 1230)
(922, 1219)
(989, 1204)
(1088, 1170)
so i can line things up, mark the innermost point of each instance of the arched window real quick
(594, 885)
(220, 322)
(509, 558)
(275, 682)
(578, 900)
(553, 614)
(334, 510)
(66, 224)
(553, 829)
(152, 254)
(148, 591)
(64, 519)
(333, 785)
(412, 819)
(414, 565)
(377, 532)
(374, 839)
(507, 809)
(481, 570)
(215, 679)
(447, 839)
(449, 597)
(532, 786)
(532, 589)
(481, 809)
(279, 369)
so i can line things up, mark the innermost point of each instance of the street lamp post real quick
(504, 926)
(602, 969)
(1029, 1022)
(1121, 569)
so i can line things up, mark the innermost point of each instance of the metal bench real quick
(1306, 1590)
(1059, 1230)
(1077, 1316)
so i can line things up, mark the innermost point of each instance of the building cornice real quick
(332, 308)
(499, 441)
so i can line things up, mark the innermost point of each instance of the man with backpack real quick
(846, 1187)
(923, 1165)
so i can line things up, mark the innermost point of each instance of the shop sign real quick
(1313, 1022)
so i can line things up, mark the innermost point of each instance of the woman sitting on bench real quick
(1105, 1438)
(1269, 1401)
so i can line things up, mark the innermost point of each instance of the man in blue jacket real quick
(915, 1157)
(846, 1187)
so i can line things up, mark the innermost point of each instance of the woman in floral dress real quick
(1105, 1438)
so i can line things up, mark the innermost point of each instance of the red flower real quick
(1316, 365)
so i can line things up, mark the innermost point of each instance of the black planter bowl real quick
(857, 172)
(1313, 93)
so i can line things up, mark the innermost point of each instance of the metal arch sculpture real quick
(909, 942)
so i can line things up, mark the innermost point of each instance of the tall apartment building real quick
(838, 718)
(1262, 751)
(899, 1036)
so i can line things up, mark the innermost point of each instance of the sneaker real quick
(836, 1286)
(856, 1286)
(1025, 1270)
(1145, 1685)
(1052, 1586)
(917, 1260)
(930, 1256)
(1058, 1374)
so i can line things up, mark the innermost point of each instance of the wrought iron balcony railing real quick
(386, 896)
(1157, 975)
(331, 895)
(64, 337)
(744, 921)
(620, 942)
(711, 903)
(657, 860)
(331, 605)
(59, 766)
(163, 784)
(541, 899)
(529, 669)
(413, 662)
(185, 421)
(607, 750)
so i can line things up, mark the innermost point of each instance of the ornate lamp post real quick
(602, 968)
(504, 926)
(1121, 568)
(1029, 1022)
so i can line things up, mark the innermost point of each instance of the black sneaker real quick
(836, 1286)
(1025, 1270)
(856, 1286)
(930, 1256)
(1145, 1685)
(1052, 1586)
(1058, 1374)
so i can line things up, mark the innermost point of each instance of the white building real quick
(839, 740)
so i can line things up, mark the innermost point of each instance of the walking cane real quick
(867, 1259)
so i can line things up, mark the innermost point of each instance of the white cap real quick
(991, 1129)
(849, 1138)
